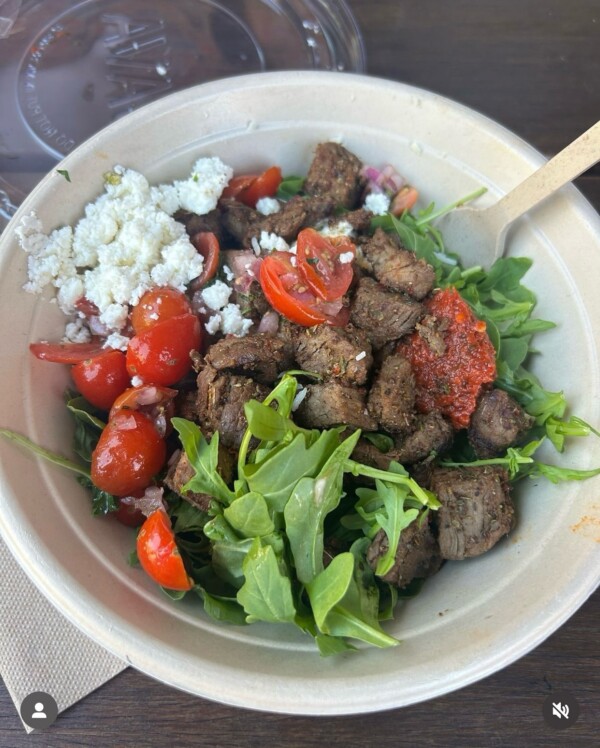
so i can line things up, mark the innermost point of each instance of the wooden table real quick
(533, 66)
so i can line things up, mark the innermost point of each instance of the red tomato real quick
(159, 555)
(208, 246)
(157, 403)
(66, 353)
(101, 379)
(404, 200)
(288, 295)
(265, 185)
(157, 305)
(319, 264)
(161, 354)
(128, 454)
(238, 184)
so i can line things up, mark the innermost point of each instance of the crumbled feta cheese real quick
(346, 257)
(136, 381)
(341, 228)
(229, 274)
(378, 203)
(300, 395)
(268, 205)
(213, 325)
(117, 341)
(255, 246)
(293, 260)
(232, 322)
(360, 356)
(216, 296)
(77, 332)
(271, 242)
(199, 194)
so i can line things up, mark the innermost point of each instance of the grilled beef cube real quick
(220, 403)
(185, 405)
(359, 219)
(332, 404)
(334, 352)
(260, 356)
(391, 400)
(396, 267)
(384, 315)
(286, 223)
(208, 222)
(476, 510)
(432, 433)
(317, 208)
(335, 173)
(237, 219)
(252, 302)
(497, 423)
(181, 471)
(417, 557)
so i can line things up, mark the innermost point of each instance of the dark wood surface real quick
(534, 66)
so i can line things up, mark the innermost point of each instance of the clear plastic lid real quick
(69, 68)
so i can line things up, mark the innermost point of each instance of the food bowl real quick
(472, 618)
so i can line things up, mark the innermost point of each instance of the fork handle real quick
(568, 164)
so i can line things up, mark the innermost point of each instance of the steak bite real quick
(497, 423)
(193, 223)
(392, 398)
(335, 173)
(294, 215)
(260, 356)
(237, 219)
(220, 403)
(432, 434)
(332, 404)
(384, 315)
(476, 509)
(417, 557)
(334, 352)
(396, 267)
(181, 471)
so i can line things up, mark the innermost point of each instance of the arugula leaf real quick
(266, 594)
(249, 515)
(64, 173)
(204, 458)
(311, 500)
(344, 606)
(45, 454)
(393, 521)
(290, 186)
(383, 442)
(332, 645)
(222, 608)
(102, 502)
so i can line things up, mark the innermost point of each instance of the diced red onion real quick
(127, 424)
(148, 503)
(385, 180)
(97, 327)
(148, 395)
(269, 322)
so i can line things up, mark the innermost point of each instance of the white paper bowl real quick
(472, 618)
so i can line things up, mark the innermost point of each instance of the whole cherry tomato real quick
(128, 454)
(159, 555)
(161, 354)
(157, 305)
(101, 379)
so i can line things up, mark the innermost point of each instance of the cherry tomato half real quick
(320, 265)
(157, 403)
(208, 246)
(159, 555)
(128, 454)
(101, 379)
(238, 184)
(66, 353)
(161, 354)
(287, 293)
(404, 200)
(157, 305)
(265, 185)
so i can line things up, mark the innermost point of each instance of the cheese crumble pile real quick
(126, 243)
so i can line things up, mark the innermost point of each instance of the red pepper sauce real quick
(450, 379)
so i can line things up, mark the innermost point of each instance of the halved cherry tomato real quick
(208, 246)
(101, 379)
(404, 200)
(288, 294)
(157, 403)
(159, 555)
(66, 353)
(238, 184)
(157, 305)
(161, 354)
(128, 454)
(320, 266)
(265, 185)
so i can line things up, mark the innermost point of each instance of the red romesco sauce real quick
(451, 379)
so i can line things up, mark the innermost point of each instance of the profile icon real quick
(39, 710)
